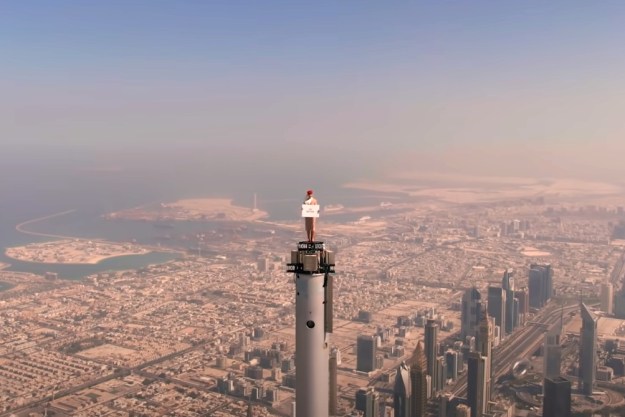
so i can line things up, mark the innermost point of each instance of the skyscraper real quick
(431, 350)
(535, 289)
(366, 353)
(607, 298)
(368, 401)
(557, 399)
(451, 358)
(477, 392)
(373, 404)
(402, 393)
(497, 307)
(418, 382)
(485, 348)
(507, 281)
(470, 314)
(524, 304)
(552, 357)
(540, 285)
(588, 350)
(511, 306)
(441, 373)
(619, 304)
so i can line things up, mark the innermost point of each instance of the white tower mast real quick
(312, 265)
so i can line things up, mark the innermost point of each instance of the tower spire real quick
(312, 265)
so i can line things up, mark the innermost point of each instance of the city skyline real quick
(239, 266)
(466, 158)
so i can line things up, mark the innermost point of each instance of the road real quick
(20, 227)
(519, 345)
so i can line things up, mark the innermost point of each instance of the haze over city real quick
(479, 87)
(464, 159)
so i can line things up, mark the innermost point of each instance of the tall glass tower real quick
(588, 350)
(470, 315)
(418, 382)
(402, 393)
(431, 350)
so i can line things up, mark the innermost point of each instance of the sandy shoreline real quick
(473, 189)
(198, 209)
(73, 252)
(94, 262)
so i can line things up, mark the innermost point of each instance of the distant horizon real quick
(353, 89)
(195, 159)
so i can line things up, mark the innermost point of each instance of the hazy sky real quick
(477, 86)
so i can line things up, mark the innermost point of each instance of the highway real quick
(519, 345)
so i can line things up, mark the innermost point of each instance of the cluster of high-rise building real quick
(507, 305)
(514, 227)
(485, 322)
(556, 388)
(486, 319)
(424, 375)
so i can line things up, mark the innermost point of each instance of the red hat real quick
(309, 192)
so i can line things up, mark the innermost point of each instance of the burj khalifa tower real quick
(312, 266)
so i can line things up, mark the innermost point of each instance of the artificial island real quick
(201, 209)
(73, 251)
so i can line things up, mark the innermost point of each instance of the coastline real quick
(80, 271)
(73, 251)
(5, 286)
(92, 263)
(190, 209)
(77, 268)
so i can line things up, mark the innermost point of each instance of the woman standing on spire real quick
(309, 222)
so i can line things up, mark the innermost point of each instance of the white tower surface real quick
(312, 266)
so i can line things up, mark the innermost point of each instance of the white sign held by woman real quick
(310, 210)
